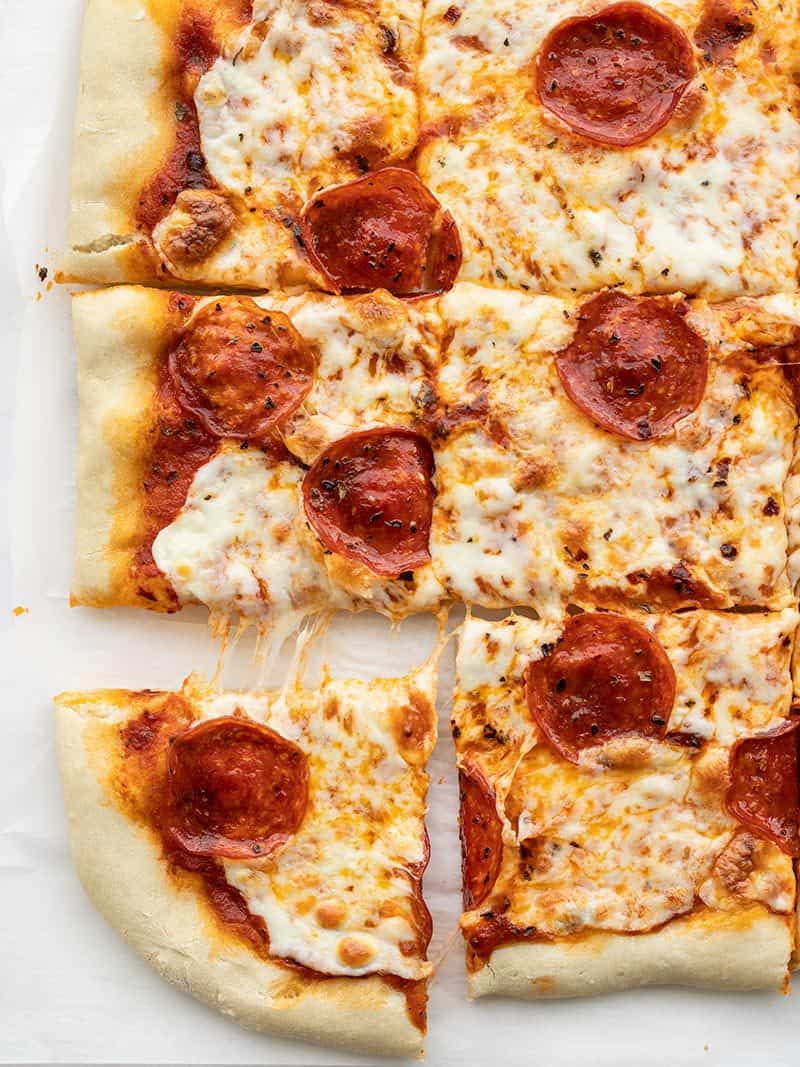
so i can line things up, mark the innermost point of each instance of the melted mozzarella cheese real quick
(560, 507)
(375, 355)
(302, 87)
(706, 205)
(236, 545)
(339, 897)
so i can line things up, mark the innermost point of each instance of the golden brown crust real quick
(120, 335)
(748, 949)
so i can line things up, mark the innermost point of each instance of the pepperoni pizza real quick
(287, 455)
(627, 775)
(228, 839)
(558, 147)
(584, 144)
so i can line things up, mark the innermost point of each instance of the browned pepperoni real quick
(634, 366)
(763, 792)
(606, 678)
(237, 789)
(369, 497)
(382, 231)
(481, 837)
(240, 369)
(615, 76)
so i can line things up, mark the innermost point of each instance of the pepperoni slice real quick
(615, 77)
(240, 369)
(634, 366)
(481, 837)
(238, 790)
(764, 789)
(606, 678)
(369, 497)
(382, 231)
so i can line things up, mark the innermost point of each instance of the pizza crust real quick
(746, 950)
(122, 47)
(118, 335)
(124, 876)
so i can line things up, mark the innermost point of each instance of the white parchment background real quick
(70, 991)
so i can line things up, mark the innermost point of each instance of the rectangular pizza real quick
(285, 455)
(629, 809)
(226, 837)
(206, 128)
(259, 144)
(579, 145)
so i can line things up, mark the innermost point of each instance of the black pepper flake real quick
(643, 429)
(595, 256)
(771, 507)
(728, 551)
(256, 347)
(406, 576)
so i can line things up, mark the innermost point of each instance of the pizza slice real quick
(199, 419)
(264, 851)
(206, 132)
(629, 809)
(614, 449)
(582, 145)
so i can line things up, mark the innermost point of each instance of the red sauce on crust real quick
(241, 370)
(237, 789)
(616, 76)
(607, 677)
(481, 837)
(764, 789)
(181, 446)
(382, 231)
(192, 52)
(634, 366)
(369, 497)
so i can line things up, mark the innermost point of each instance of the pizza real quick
(629, 801)
(580, 145)
(390, 146)
(195, 493)
(238, 114)
(628, 446)
(227, 838)
(454, 302)
(288, 455)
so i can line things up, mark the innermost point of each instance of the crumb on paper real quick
(42, 272)
(21, 610)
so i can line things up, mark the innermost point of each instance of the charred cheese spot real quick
(195, 227)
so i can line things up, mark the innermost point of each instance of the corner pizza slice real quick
(264, 850)
(629, 810)
(199, 420)
(264, 136)
(653, 146)
(615, 449)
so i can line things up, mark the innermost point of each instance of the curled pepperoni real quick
(607, 677)
(382, 231)
(481, 837)
(237, 789)
(369, 497)
(240, 369)
(764, 789)
(634, 366)
(615, 76)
